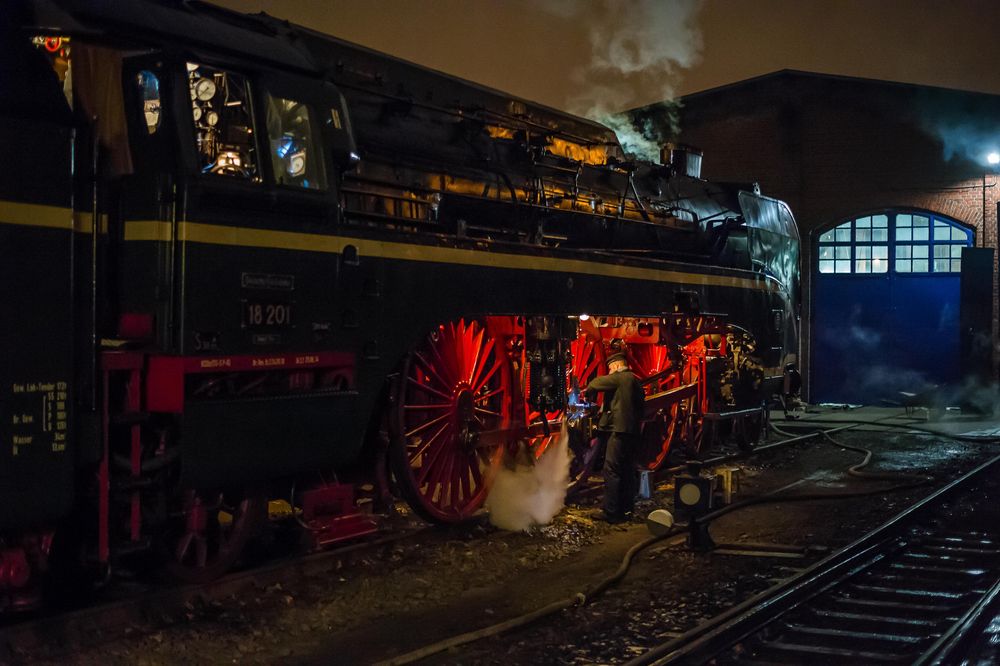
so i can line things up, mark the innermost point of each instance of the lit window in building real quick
(866, 237)
(920, 243)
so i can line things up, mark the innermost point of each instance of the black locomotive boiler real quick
(246, 262)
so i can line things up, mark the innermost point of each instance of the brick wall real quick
(834, 148)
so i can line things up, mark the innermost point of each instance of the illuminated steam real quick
(637, 50)
(531, 495)
(965, 128)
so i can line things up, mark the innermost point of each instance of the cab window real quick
(223, 120)
(149, 95)
(295, 154)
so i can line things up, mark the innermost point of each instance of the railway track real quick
(909, 592)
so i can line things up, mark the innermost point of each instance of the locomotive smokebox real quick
(686, 160)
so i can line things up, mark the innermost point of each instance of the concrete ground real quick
(461, 579)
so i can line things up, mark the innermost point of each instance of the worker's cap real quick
(617, 358)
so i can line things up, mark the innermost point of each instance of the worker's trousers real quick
(621, 480)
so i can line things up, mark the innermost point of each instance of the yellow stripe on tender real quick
(49, 217)
(36, 215)
(288, 240)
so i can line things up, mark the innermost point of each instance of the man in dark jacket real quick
(620, 423)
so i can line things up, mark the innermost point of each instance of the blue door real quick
(885, 306)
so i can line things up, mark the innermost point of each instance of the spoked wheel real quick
(207, 531)
(456, 385)
(659, 434)
(647, 360)
(587, 361)
(667, 428)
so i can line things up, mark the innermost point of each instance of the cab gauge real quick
(196, 112)
(212, 118)
(204, 89)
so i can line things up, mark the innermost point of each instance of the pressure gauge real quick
(196, 112)
(296, 164)
(204, 89)
(212, 118)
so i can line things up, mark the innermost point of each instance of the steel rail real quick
(715, 637)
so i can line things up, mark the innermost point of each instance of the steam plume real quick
(637, 50)
(531, 495)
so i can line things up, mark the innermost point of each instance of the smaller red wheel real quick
(206, 533)
(661, 432)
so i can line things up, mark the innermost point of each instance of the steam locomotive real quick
(246, 262)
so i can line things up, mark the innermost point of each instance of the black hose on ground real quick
(900, 426)
(911, 481)
(581, 598)
(855, 470)
(578, 599)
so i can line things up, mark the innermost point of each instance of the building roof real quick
(802, 76)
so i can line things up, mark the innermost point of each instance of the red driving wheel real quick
(454, 386)
(646, 360)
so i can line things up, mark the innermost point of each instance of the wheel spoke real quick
(481, 361)
(426, 468)
(483, 410)
(448, 482)
(489, 375)
(478, 352)
(436, 405)
(438, 476)
(432, 371)
(427, 424)
(446, 366)
(429, 389)
(489, 394)
(180, 553)
(464, 478)
(426, 444)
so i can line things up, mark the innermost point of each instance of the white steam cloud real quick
(638, 48)
(530, 495)
(968, 140)
(964, 124)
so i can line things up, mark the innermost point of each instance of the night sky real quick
(608, 55)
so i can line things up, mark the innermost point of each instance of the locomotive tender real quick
(246, 261)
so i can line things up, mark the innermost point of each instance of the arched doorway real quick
(885, 306)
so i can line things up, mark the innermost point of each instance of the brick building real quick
(888, 182)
